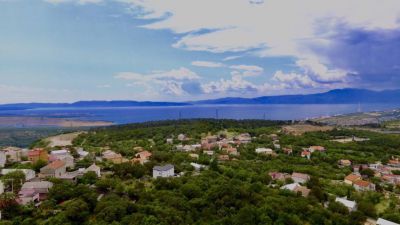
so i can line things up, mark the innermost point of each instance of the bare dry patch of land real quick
(23, 121)
(62, 140)
(300, 129)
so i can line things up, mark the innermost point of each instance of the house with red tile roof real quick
(351, 178)
(313, 149)
(306, 154)
(38, 154)
(55, 169)
(362, 185)
(300, 177)
(142, 157)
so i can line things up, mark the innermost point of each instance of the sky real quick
(180, 50)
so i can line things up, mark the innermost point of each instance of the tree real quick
(14, 180)
(88, 178)
(76, 210)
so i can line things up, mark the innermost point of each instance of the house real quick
(3, 159)
(182, 137)
(82, 153)
(54, 169)
(244, 138)
(231, 151)
(71, 176)
(287, 151)
(62, 155)
(163, 171)
(277, 146)
(394, 163)
(210, 153)
(223, 158)
(38, 154)
(351, 178)
(93, 168)
(197, 166)
(391, 178)
(279, 176)
(362, 185)
(381, 221)
(351, 205)
(13, 154)
(194, 156)
(297, 188)
(313, 149)
(170, 141)
(344, 162)
(113, 157)
(142, 157)
(300, 177)
(306, 154)
(274, 137)
(62, 152)
(266, 151)
(29, 174)
(33, 192)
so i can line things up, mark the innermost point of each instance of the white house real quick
(381, 221)
(163, 171)
(351, 205)
(266, 151)
(82, 153)
(198, 166)
(29, 174)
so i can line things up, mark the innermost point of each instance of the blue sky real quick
(177, 50)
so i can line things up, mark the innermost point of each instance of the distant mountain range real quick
(337, 96)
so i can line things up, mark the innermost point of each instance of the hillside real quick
(247, 181)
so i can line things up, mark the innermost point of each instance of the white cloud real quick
(246, 70)
(293, 80)
(320, 72)
(208, 64)
(237, 85)
(269, 28)
(231, 57)
(169, 82)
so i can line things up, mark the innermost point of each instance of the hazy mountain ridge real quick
(337, 96)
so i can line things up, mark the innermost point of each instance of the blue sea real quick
(143, 114)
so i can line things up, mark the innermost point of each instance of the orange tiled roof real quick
(56, 164)
(362, 183)
(352, 177)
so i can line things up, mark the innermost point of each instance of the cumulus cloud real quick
(171, 82)
(305, 30)
(342, 42)
(236, 85)
(320, 73)
(294, 80)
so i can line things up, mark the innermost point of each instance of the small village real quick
(62, 162)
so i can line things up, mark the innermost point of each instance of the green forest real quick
(239, 191)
